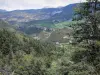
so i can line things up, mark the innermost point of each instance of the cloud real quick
(33, 4)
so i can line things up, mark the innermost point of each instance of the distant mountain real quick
(39, 23)
(42, 24)
(1, 10)
(66, 14)
(54, 14)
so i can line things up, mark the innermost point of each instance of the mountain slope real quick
(6, 25)
(66, 14)
(57, 14)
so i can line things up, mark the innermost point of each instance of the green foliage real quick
(87, 36)
(66, 24)
(8, 42)
(22, 55)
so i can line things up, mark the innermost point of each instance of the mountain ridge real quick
(61, 14)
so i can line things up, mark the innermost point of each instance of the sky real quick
(34, 4)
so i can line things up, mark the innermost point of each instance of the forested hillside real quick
(52, 47)
(22, 55)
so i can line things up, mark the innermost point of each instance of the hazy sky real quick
(34, 4)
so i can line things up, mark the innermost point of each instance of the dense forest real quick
(21, 54)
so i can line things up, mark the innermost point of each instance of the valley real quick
(63, 40)
(42, 24)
